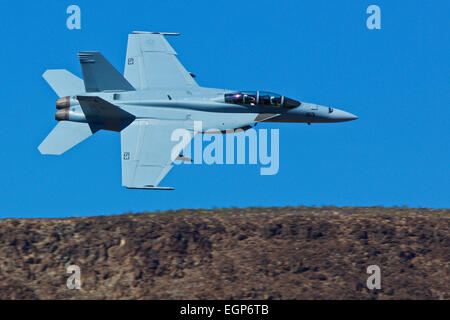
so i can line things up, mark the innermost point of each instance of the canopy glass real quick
(261, 98)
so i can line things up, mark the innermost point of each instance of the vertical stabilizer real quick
(100, 75)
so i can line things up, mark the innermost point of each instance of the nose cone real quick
(341, 116)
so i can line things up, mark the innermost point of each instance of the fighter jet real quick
(155, 96)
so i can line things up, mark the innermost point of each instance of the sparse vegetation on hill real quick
(251, 253)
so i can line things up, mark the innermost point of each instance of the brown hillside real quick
(253, 253)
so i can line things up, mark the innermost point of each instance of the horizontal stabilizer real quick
(100, 75)
(63, 82)
(65, 136)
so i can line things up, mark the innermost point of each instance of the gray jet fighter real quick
(154, 97)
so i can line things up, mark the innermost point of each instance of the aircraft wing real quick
(148, 151)
(152, 63)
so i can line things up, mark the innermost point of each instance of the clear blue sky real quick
(395, 79)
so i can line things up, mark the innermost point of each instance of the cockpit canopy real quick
(261, 98)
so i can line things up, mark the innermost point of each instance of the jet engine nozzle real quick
(70, 114)
(62, 114)
(63, 102)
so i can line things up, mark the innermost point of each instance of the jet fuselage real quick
(208, 105)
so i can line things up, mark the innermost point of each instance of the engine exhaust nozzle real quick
(63, 103)
(62, 114)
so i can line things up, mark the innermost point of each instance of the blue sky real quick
(395, 79)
